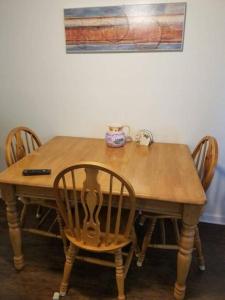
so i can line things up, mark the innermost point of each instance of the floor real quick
(44, 265)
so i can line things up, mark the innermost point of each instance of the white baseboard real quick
(215, 219)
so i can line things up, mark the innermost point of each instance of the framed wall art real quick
(125, 28)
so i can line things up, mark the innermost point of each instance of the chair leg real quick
(176, 230)
(59, 219)
(43, 217)
(119, 274)
(22, 214)
(198, 246)
(163, 231)
(38, 212)
(147, 239)
(133, 248)
(142, 220)
(67, 269)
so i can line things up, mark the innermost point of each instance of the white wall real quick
(180, 96)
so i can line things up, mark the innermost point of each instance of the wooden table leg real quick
(189, 221)
(8, 196)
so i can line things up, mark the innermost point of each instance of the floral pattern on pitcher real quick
(115, 136)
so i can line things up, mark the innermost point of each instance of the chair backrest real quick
(87, 203)
(205, 156)
(19, 142)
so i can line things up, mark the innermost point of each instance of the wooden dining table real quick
(163, 176)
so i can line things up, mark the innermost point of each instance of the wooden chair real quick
(20, 142)
(94, 217)
(205, 157)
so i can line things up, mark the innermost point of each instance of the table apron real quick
(148, 205)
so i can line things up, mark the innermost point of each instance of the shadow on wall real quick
(2, 158)
(215, 209)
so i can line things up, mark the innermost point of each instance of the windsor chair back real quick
(90, 198)
(205, 157)
(20, 142)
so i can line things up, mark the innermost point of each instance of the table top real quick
(161, 171)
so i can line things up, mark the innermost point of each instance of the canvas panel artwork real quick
(125, 28)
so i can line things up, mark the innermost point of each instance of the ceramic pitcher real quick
(115, 136)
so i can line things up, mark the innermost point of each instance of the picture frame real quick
(125, 28)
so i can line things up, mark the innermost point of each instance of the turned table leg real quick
(189, 222)
(8, 196)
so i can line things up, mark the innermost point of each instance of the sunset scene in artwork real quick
(150, 27)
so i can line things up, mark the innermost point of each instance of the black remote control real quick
(32, 172)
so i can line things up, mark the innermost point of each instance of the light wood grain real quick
(91, 226)
(20, 142)
(167, 171)
(205, 156)
(163, 176)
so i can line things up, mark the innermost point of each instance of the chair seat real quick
(121, 242)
